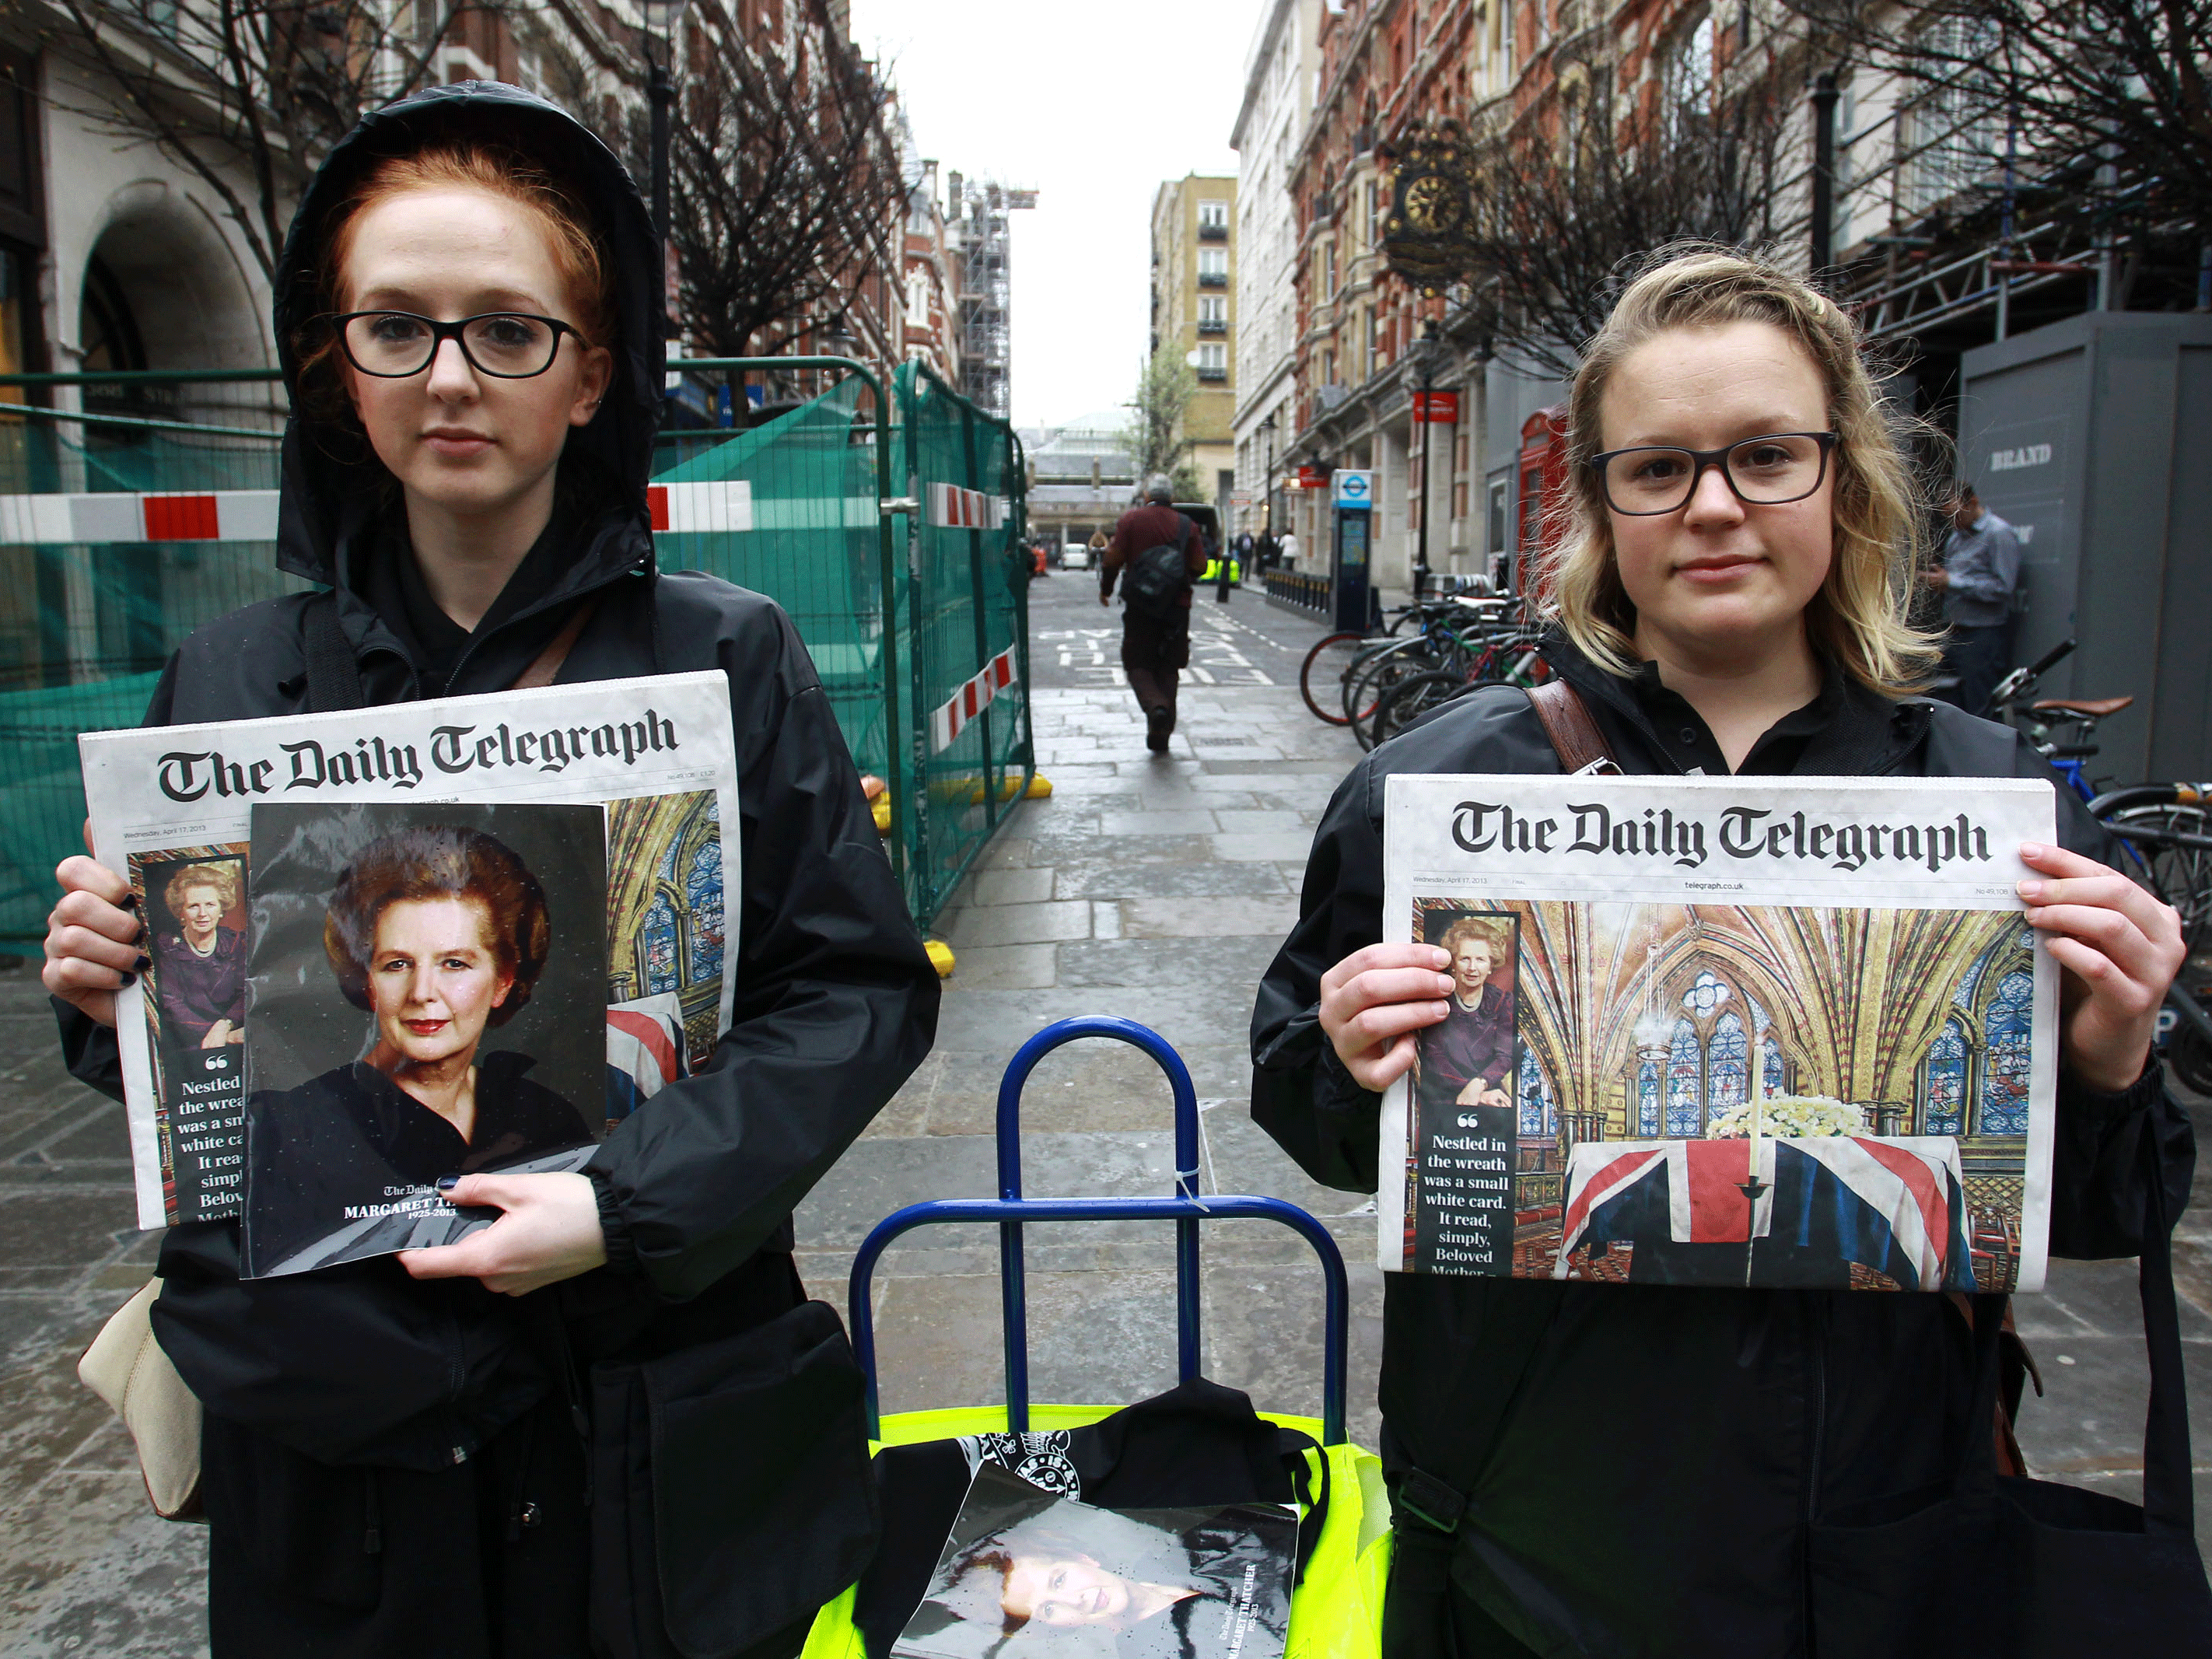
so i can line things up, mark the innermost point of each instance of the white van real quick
(1075, 555)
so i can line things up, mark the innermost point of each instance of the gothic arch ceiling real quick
(1856, 996)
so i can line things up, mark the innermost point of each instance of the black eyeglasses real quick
(508, 345)
(1764, 472)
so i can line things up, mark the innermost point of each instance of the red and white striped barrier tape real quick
(221, 515)
(951, 507)
(970, 700)
(250, 515)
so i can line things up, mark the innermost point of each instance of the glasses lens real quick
(388, 343)
(1649, 480)
(1780, 469)
(506, 344)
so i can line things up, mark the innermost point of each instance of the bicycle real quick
(2165, 829)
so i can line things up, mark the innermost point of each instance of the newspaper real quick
(170, 809)
(1703, 1031)
(1027, 1565)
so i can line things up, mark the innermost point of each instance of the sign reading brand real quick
(2011, 460)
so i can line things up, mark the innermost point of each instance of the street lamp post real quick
(1267, 483)
(1426, 350)
(660, 19)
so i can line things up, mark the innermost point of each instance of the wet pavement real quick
(1151, 888)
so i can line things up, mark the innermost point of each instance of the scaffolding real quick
(980, 209)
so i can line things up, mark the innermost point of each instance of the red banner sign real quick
(1436, 408)
(1313, 478)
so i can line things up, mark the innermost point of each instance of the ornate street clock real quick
(1429, 237)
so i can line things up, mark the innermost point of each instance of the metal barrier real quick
(1299, 590)
(146, 508)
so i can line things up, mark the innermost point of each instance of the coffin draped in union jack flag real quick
(1819, 1204)
(644, 1051)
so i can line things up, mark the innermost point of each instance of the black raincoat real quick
(671, 1440)
(1630, 1470)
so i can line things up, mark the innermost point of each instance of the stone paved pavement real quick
(1153, 888)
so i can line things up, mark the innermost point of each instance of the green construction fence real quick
(886, 520)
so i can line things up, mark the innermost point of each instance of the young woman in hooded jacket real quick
(537, 1441)
(1602, 1469)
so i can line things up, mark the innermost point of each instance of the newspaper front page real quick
(1703, 1031)
(172, 811)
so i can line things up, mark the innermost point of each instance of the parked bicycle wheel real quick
(2190, 1056)
(1410, 699)
(1321, 677)
(1372, 686)
(2170, 827)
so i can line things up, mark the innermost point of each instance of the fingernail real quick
(128, 979)
(2031, 849)
(2031, 890)
(129, 902)
(446, 1184)
(142, 964)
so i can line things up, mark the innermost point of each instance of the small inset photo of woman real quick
(429, 1000)
(1026, 1572)
(196, 912)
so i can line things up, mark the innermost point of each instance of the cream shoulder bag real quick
(126, 1368)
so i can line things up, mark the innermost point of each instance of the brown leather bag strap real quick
(547, 662)
(1567, 722)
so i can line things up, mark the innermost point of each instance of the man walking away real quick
(1161, 553)
(1980, 572)
(1290, 550)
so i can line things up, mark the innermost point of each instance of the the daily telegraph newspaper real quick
(1029, 1570)
(171, 811)
(1703, 1032)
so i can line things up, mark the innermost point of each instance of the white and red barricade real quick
(952, 716)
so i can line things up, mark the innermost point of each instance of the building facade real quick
(1194, 315)
(1935, 238)
(1278, 89)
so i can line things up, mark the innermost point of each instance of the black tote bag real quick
(2011, 1568)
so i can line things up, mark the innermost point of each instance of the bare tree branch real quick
(784, 187)
(1567, 201)
(247, 95)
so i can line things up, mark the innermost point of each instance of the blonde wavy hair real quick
(1858, 618)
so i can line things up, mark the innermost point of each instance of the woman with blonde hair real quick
(1614, 1469)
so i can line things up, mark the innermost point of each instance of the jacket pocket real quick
(1919, 1576)
(733, 1496)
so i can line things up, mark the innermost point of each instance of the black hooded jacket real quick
(836, 999)
(1640, 1463)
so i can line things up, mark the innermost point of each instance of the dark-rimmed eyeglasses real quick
(508, 345)
(1766, 471)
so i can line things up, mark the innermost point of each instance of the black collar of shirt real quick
(1839, 733)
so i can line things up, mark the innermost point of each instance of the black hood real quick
(332, 489)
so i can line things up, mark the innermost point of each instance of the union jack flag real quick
(1897, 1206)
(644, 1051)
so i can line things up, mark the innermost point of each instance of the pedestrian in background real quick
(1163, 554)
(1978, 578)
(1290, 550)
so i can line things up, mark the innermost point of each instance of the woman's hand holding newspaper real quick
(2119, 948)
(1375, 1000)
(95, 939)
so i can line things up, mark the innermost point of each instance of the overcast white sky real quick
(1092, 108)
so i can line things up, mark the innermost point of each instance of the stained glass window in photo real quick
(1728, 1067)
(1774, 1074)
(2008, 1027)
(1648, 1122)
(657, 946)
(1705, 994)
(1685, 1118)
(703, 896)
(1946, 1113)
(1537, 1116)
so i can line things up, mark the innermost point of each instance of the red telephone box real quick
(1542, 485)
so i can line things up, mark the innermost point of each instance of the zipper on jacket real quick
(1820, 1413)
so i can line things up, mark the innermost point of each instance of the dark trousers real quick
(1154, 652)
(1980, 657)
